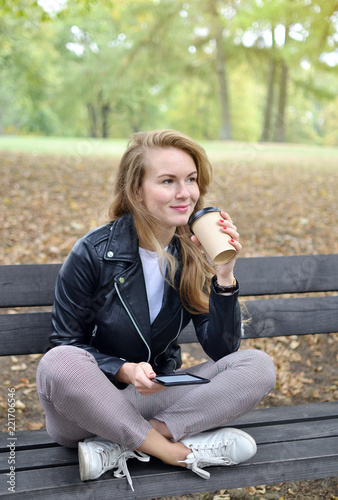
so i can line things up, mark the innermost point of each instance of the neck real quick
(164, 239)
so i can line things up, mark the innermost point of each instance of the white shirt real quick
(154, 281)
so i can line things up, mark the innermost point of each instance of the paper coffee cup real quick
(205, 225)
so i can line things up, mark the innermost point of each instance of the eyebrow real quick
(173, 176)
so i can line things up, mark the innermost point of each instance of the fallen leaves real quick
(18, 373)
(48, 202)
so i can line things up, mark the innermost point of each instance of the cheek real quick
(155, 197)
(195, 194)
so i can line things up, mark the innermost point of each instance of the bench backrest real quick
(32, 286)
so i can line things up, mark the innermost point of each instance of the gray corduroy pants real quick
(79, 400)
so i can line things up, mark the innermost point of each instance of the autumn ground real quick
(282, 200)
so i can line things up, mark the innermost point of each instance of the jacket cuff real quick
(214, 278)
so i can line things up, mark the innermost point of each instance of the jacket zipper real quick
(173, 340)
(132, 320)
(93, 335)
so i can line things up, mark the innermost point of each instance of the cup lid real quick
(201, 212)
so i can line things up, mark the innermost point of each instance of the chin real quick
(183, 221)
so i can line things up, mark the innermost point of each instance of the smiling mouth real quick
(181, 208)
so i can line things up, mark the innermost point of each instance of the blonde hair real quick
(196, 273)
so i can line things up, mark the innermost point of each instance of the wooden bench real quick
(294, 442)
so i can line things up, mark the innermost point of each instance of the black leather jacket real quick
(101, 306)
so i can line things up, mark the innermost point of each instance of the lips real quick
(181, 208)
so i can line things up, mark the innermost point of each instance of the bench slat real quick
(28, 285)
(24, 333)
(284, 317)
(287, 274)
(299, 316)
(260, 417)
(290, 414)
(312, 459)
(28, 333)
(56, 455)
(33, 285)
(303, 438)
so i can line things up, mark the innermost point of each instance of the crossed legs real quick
(80, 401)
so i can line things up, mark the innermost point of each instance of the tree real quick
(306, 28)
(28, 69)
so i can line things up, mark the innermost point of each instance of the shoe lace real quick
(105, 457)
(122, 468)
(204, 456)
(214, 454)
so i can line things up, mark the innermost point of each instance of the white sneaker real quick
(98, 455)
(227, 446)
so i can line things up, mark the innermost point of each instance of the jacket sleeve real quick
(219, 332)
(75, 305)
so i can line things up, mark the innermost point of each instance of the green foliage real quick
(107, 68)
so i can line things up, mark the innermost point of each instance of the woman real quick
(122, 297)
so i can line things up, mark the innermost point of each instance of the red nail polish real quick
(221, 220)
(232, 241)
(224, 227)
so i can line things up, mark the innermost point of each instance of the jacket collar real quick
(123, 241)
(122, 244)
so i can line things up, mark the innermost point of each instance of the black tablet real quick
(180, 379)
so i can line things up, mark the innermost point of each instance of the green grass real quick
(217, 150)
(71, 146)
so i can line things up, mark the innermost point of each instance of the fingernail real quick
(232, 241)
(221, 220)
(224, 227)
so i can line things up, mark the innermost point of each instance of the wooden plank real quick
(261, 417)
(28, 440)
(27, 285)
(297, 431)
(273, 463)
(288, 414)
(284, 317)
(287, 274)
(57, 456)
(26, 333)
(300, 316)
(40, 458)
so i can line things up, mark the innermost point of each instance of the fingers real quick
(144, 373)
(143, 382)
(226, 216)
(195, 240)
(228, 227)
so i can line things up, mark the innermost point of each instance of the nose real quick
(182, 191)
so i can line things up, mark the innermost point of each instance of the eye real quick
(192, 179)
(167, 181)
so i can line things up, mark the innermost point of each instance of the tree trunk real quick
(225, 131)
(280, 124)
(105, 109)
(267, 131)
(280, 127)
(92, 119)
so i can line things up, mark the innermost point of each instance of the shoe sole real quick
(84, 460)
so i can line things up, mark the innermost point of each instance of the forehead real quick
(169, 160)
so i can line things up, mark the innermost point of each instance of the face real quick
(169, 189)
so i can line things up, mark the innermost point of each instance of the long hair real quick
(196, 273)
